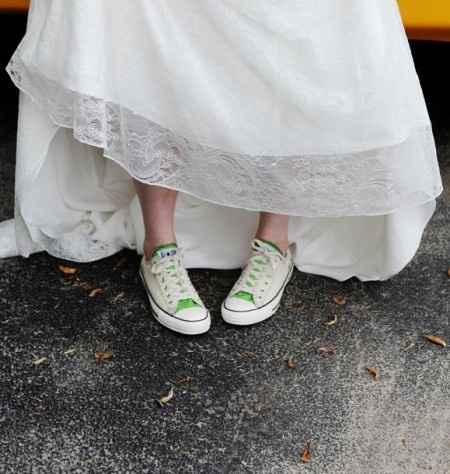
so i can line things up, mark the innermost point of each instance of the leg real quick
(174, 301)
(274, 227)
(158, 206)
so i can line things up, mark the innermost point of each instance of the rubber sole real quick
(254, 316)
(189, 328)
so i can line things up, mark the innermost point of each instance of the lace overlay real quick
(372, 182)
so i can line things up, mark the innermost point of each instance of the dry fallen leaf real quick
(327, 350)
(83, 284)
(101, 356)
(118, 297)
(306, 453)
(67, 270)
(166, 398)
(339, 299)
(248, 355)
(374, 372)
(39, 360)
(436, 340)
(119, 263)
(409, 346)
(184, 380)
(291, 363)
(448, 272)
(332, 321)
(96, 292)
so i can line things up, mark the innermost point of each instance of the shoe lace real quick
(174, 279)
(259, 269)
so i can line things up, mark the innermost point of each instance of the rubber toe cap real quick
(238, 304)
(193, 314)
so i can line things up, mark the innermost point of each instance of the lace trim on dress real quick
(372, 182)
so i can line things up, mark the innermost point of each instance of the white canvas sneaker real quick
(257, 293)
(174, 301)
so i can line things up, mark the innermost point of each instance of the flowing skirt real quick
(312, 109)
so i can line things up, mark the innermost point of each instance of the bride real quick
(221, 134)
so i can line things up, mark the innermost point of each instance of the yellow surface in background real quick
(427, 19)
(424, 19)
(13, 4)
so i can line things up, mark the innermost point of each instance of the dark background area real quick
(12, 28)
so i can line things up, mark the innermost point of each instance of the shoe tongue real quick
(245, 295)
(186, 303)
(269, 246)
(165, 250)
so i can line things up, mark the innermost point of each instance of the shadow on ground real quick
(237, 408)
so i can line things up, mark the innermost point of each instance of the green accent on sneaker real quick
(186, 304)
(244, 295)
(157, 250)
(274, 245)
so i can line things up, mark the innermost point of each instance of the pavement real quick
(237, 406)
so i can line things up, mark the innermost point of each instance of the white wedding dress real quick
(312, 109)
